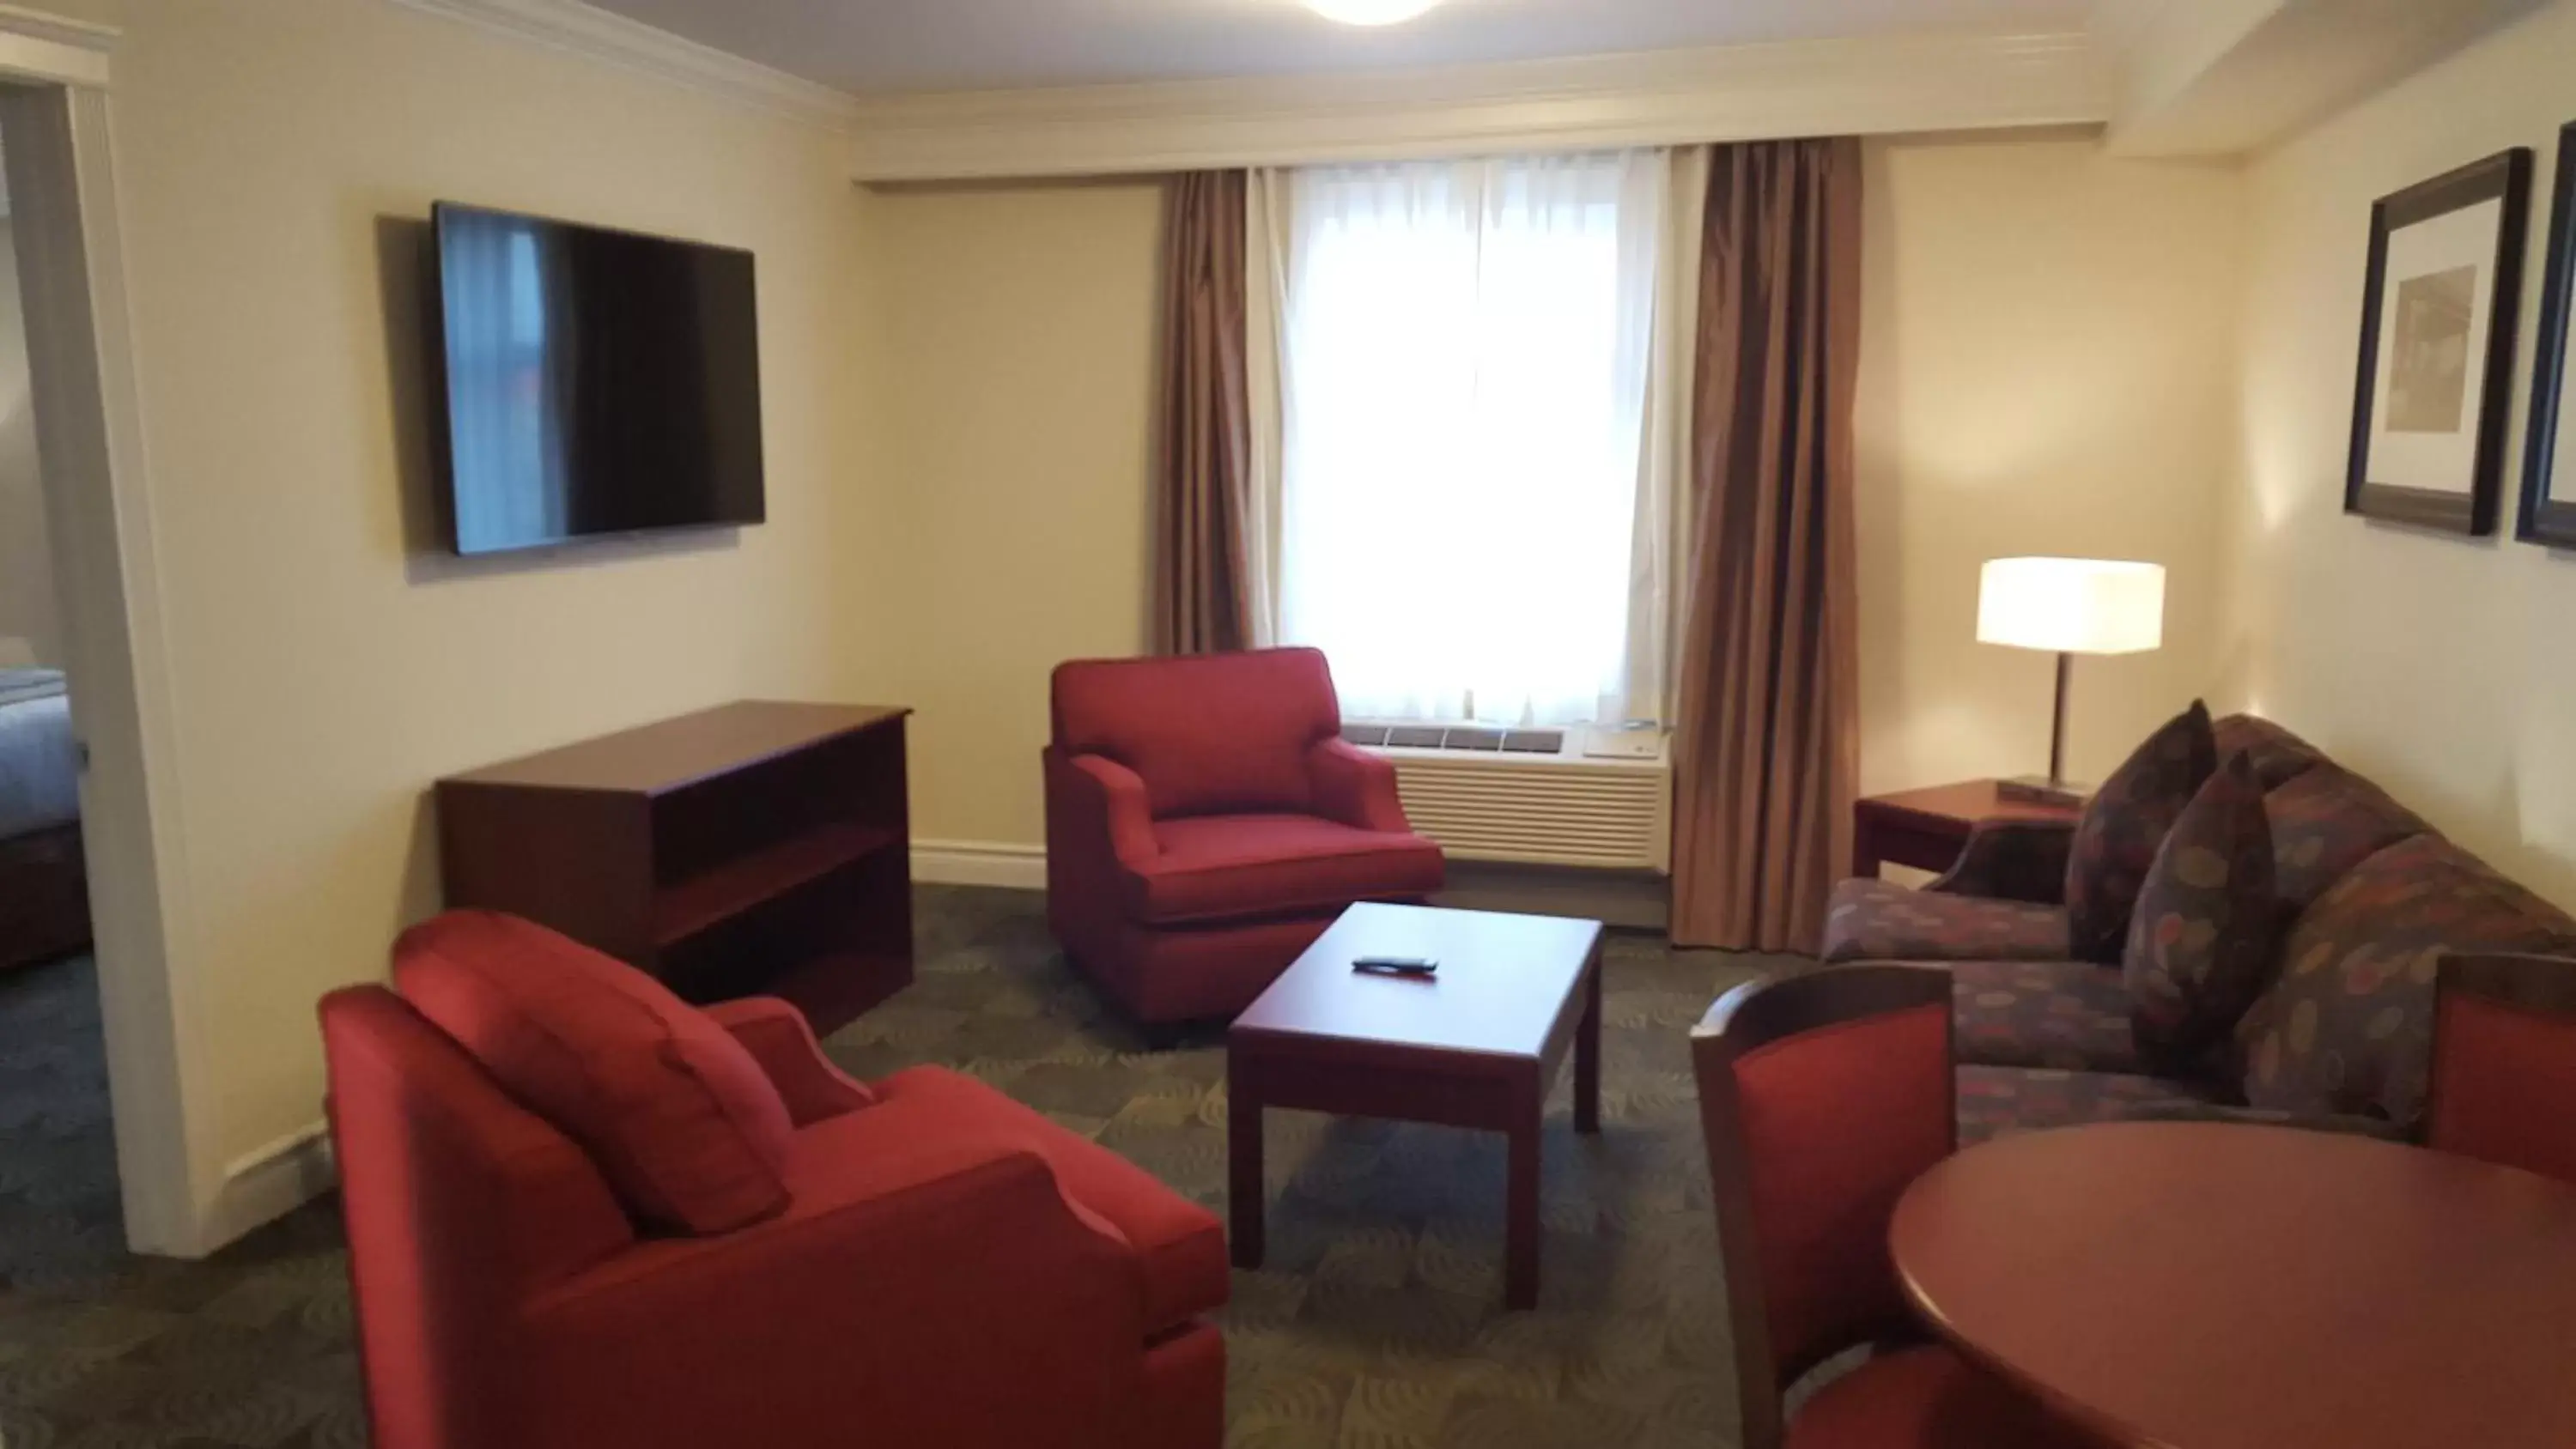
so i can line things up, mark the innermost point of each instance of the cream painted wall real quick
(30, 631)
(2431, 663)
(2046, 368)
(1019, 324)
(276, 161)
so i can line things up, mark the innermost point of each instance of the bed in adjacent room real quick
(44, 888)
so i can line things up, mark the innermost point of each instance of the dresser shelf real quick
(755, 849)
(713, 897)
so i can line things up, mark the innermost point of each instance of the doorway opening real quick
(97, 1151)
(59, 1200)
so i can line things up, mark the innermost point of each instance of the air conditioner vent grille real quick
(1493, 807)
(1475, 739)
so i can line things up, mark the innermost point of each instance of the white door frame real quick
(54, 116)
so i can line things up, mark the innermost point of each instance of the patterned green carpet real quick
(1376, 1325)
(103, 1350)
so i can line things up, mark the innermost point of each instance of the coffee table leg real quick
(1243, 1158)
(1520, 1218)
(1587, 1054)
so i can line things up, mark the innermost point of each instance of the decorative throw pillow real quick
(2125, 824)
(677, 1115)
(2206, 932)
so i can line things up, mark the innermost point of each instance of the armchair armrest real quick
(1103, 801)
(941, 1284)
(782, 1041)
(2013, 860)
(1356, 788)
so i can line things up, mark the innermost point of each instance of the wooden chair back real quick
(1822, 1096)
(2504, 1061)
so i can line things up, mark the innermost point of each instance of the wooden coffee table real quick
(1478, 1046)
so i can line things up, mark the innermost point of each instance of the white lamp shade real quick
(2072, 605)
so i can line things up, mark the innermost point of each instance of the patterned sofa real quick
(2340, 1039)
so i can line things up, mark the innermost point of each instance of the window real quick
(1465, 376)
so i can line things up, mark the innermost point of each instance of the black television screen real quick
(598, 382)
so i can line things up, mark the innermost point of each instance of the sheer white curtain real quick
(1467, 352)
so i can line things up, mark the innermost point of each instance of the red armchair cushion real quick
(1209, 735)
(1180, 1244)
(1923, 1398)
(1219, 867)
(676, 1113)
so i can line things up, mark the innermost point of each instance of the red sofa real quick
(1206, 822)
(924, 1262)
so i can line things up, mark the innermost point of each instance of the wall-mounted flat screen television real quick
(597, 382)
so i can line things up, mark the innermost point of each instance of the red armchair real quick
(942, 1266)
(1205, 823)
(1821, 1097)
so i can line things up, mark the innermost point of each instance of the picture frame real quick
(2549, 511)
(2435, 391)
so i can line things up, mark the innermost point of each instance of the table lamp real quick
(2069, 606)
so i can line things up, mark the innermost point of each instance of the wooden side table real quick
(1927, 829)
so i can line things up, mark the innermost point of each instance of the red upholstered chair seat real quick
(1216, 867)
(1922, 1398)
(1205, 822)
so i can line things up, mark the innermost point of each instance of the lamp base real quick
(2040, 790)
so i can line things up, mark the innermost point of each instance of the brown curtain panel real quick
(1767, 744)
(1203, 454)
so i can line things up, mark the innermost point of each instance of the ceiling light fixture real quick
(1370, 12)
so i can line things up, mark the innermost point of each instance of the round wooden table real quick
(2204, 1286)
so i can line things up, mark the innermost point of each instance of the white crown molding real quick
(60, 29)
(1834, 87)
(629, 45)
(39, 45)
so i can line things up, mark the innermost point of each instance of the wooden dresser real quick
(754, 849)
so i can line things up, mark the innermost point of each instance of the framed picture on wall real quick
(2548, 488)
(2437, 324)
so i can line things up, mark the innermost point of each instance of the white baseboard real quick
(263, 1186)
(979, 863)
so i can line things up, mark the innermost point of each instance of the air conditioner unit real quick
(1597, 799)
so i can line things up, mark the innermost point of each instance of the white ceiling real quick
(878, 46)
